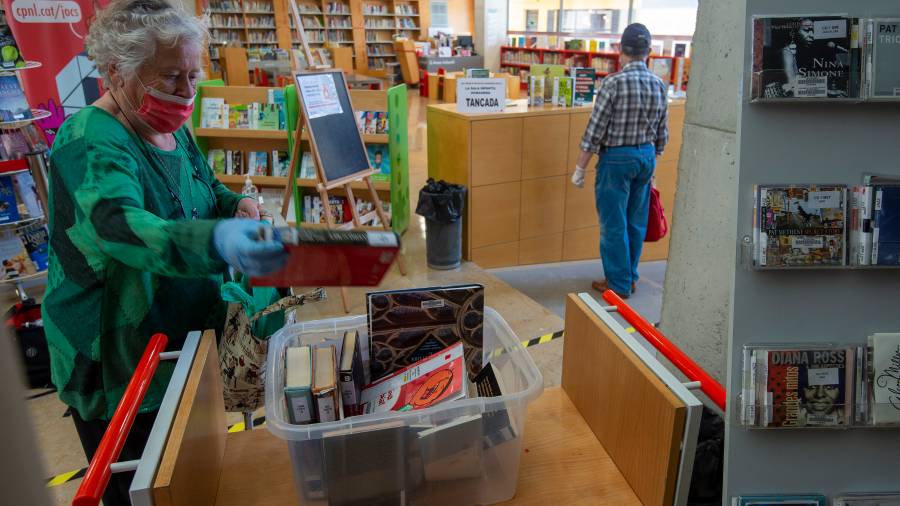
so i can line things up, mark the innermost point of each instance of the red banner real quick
(52, 32)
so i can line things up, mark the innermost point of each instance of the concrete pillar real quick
(699, 276)
(490, 31)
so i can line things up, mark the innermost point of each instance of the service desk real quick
(521, 207)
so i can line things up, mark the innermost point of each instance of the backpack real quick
(657, 225)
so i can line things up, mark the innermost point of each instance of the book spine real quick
(876, 209)
(300, 405)
(326, 406)
(748, 396)
(349, 394)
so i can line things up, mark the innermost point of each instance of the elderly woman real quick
(138, 223)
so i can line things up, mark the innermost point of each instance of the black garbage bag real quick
(441, 201)
(709, 461)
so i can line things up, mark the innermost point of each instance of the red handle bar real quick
(712, 388)
(97, 476)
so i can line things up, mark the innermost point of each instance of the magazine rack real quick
(808, 143)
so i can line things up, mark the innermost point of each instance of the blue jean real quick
(623, 203)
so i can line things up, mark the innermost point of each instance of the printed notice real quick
(823, 376)
(824, 200)
(480, 95)
(319, 95)
(830, 29)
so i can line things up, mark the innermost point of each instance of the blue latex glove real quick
(240, 244)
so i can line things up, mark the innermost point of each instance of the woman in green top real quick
(139, 229)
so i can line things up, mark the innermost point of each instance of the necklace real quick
(160, 166)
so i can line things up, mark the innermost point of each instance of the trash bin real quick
(441, 204)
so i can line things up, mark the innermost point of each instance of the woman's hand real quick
(247, 208)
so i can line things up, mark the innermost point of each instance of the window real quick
(668, 18)
(439, 14)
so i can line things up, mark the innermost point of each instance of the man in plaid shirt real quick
(627, 131)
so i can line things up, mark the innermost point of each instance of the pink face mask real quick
(163, 112)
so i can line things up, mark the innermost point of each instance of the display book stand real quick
(36, 163)
(813, 142)
(338, 153)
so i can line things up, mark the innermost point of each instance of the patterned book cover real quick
(409, 325)
(801, 226)
(807, 387)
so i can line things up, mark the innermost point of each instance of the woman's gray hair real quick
(127, 33)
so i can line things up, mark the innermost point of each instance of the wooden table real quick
(563, 463)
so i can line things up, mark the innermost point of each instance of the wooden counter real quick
(521, 207)
(562, 463)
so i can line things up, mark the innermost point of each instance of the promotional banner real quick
(52, 32)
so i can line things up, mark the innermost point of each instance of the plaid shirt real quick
(631, 109)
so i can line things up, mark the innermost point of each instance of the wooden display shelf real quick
(241, 133)
(280, 182)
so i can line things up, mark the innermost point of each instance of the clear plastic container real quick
(457, 453)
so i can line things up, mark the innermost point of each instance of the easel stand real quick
(325, 184)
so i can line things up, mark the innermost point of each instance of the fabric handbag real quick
(242, 351)
(657, 225)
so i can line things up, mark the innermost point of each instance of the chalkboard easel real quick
(338, 151)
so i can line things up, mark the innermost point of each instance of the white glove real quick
(578, 177)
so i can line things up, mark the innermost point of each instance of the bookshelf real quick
(395, 191)
(250, 24)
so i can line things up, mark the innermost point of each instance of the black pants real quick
(91, 432)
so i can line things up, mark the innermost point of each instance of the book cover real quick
(801, 226)
(371, 122)
(381, 122)
(280, 163)
(361, 120)
(352, 375)
(425, 383)
(241, 115)
(779, 499)
(9, 207)
(803, 57)
(585, 80)
(298, 384)
(37, 243)
(268, 117)
(807, 387)
(379, 158)
(216, 159)
(13, 106)
(259, 163)
(15, 145)
(325, 386)
(884, 381)
(408, 325)
(565, 92)
(212, 113)
(886, 225)
(548, 72)
(868, 500)
(883, 48)
(320, 257)
(662, 68)
(16, 262)
(29, 202)
(10, 56)
(536, 90)
(453, 450)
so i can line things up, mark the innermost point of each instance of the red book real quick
(320, 257)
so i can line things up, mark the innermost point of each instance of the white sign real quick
(823, 376)
(43, 11)
(830, 29)
(480, 95)
(319, 95)
(824, 200)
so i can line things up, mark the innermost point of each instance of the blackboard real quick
(335, 136)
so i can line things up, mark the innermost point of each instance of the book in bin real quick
(406, 326)
(803, 387)
(298, 369)
(321, 257)
(805, 57)
(800, 226)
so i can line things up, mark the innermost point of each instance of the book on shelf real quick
(325, 389)
(548, 72)
(27, 195)
(585, 80)
(13, 106)
(213, 113)
(434, 379)
(662, 68)
(868, 500)
(16, 262)
(886, 225)
(9, 206)
(36, 240)
(882, 41)
(563, 91)
(805, 57)
(536, 91)
(298, 369)
(351, 373)
(322, 257)
(800, 225)
(883, 370)
(806, 386)
(779, 499)
(280, 163)
(216, 159)
(408, 325)
(307, 168)
(379, 158)
(10, 55)
(234, 163)
(258, 163)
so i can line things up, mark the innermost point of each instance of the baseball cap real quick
(636, 39)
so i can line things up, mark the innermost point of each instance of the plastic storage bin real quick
(457, 453)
